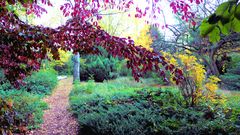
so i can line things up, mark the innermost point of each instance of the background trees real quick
(65, 35)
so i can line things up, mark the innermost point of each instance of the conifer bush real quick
(145, 111)
(99, 68)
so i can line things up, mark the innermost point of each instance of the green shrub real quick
(99, 67)
(1, 75)
(4, 83)
(158, 79)
(21, 110)
(41, 82)
(147, 111)
(231, 79)
(122, 68)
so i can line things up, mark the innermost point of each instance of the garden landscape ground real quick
(119, 67)
(57, 119)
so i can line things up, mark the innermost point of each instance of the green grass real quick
(124, 86)
(233, 102)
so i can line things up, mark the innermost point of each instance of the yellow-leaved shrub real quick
(195, 87)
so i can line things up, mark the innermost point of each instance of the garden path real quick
(57, 119)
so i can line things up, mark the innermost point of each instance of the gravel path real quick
(57, 119)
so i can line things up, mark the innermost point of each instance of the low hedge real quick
(146, 112)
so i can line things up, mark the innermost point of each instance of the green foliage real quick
(134, 110)
(214, 36)
(65, 69)
(1, 75)
(235, 59)
(157, 78)
(122, 69)
(205, 28)
(120, 86)
(99, 67)
(233, 103)
(41, 82)
(64, 66)
(225, 20)
(20, 111)
(231, 79)
(237, 12)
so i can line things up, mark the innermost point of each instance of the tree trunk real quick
(213, 64)
(76, 68)
(213, 67)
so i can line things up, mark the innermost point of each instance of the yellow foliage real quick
(211, 87)
(64, 58)
(144, 39)
(193, 68)
(194, 71)
(170, 58)
(189, 64)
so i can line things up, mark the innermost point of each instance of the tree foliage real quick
(224, 20)
(23, 46)
(144, 38)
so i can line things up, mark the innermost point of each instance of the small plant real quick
(20, 111)
(231, 79)
(41, 82)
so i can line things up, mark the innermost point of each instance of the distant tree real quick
(144, 38)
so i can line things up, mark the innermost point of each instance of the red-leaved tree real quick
(23, 46)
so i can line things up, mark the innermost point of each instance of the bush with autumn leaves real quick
(196, 87)
(20, 111)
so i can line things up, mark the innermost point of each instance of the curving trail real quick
(57, 119)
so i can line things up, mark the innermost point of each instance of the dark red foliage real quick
(23, 47)
(182, 7)
(87, 10)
